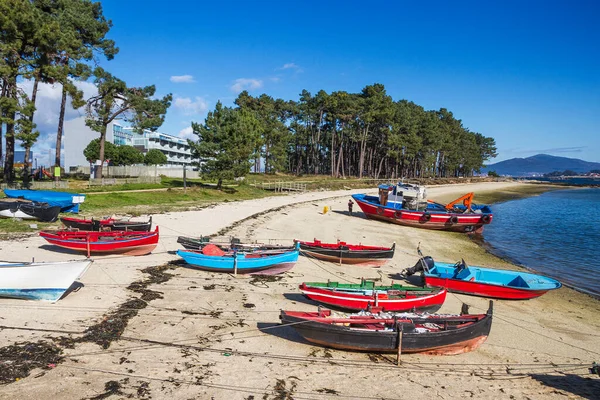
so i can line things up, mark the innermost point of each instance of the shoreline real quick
(217, 333)
(489, 247)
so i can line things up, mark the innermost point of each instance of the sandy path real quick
(220, 314)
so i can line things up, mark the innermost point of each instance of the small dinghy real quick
(407, 204)
(479, 281)
(119, 242)
(198, 243)
(107, 224)
(212, 258)
(68, 202)
(41, 280)
(357, 297)
(26, 209)
(390, 332)
(344, 253)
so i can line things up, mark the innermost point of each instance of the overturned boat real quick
(389, 332)
(26, 209)
(68, 202)
(407, 204)
(39, 280)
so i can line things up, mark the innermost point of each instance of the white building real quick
(77, 136)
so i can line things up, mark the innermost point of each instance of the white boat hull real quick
(40, 281)
(15, 214)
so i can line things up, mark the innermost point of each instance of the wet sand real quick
(206, 335)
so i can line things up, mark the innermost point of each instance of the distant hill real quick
(540, 164)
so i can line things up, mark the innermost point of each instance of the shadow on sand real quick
(280, 331)
(73, 288)
(299, 298)
(415, 280)
(588, 388)
(59, 249)
(358, 214)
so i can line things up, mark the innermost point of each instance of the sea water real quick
(556, 234)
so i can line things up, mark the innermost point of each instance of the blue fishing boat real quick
(68, 202)
(268, 262)
(479, 281)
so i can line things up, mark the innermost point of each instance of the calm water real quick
(556, 234)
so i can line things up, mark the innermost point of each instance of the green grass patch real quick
(513, 193)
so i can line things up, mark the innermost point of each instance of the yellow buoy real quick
(325, 209)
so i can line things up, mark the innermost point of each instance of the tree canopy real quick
(155, 157)
(355, 134)
(116, 100)
(226, 142)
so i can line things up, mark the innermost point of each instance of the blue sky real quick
(523, 72)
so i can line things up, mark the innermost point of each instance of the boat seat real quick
(518, 282)
(463, 274)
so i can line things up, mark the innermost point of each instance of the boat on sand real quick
(40, 280)
(479, 281)
(406, 204)
(365, 295)
(389, 332)
(345, 253)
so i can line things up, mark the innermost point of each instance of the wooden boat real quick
(356, 297)
(212, 258)
(107, 224)
(405, 204)
(421, 333)
(344, 253)
(39, 281)
(68, 202)
(198, 243)
(479, 281)
(25, 209)
(121, 242)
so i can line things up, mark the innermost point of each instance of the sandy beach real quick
(201, 335)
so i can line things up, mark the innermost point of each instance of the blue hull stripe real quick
(33, 294)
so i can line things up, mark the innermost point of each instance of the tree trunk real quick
(219, 183)
(26, 165)
(98, 174)
(2, 113)
(10, 134)
(333, 151)
(59, 132)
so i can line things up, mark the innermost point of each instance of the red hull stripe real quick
(483, 289)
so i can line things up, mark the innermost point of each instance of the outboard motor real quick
(419, 266)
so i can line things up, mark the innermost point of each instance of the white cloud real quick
(187, 133)
(246, 84)
(291, 66)
(182, 79)
(46, 115)
(189, 106)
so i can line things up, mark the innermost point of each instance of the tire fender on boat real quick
(454, 219)
(398, 214)
(380, 211)
(426, 216)
(486, 218)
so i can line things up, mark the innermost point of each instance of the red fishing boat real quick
(406, 204)
(121, 242)
(107, 224)
(364, 295)
(344, 253)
